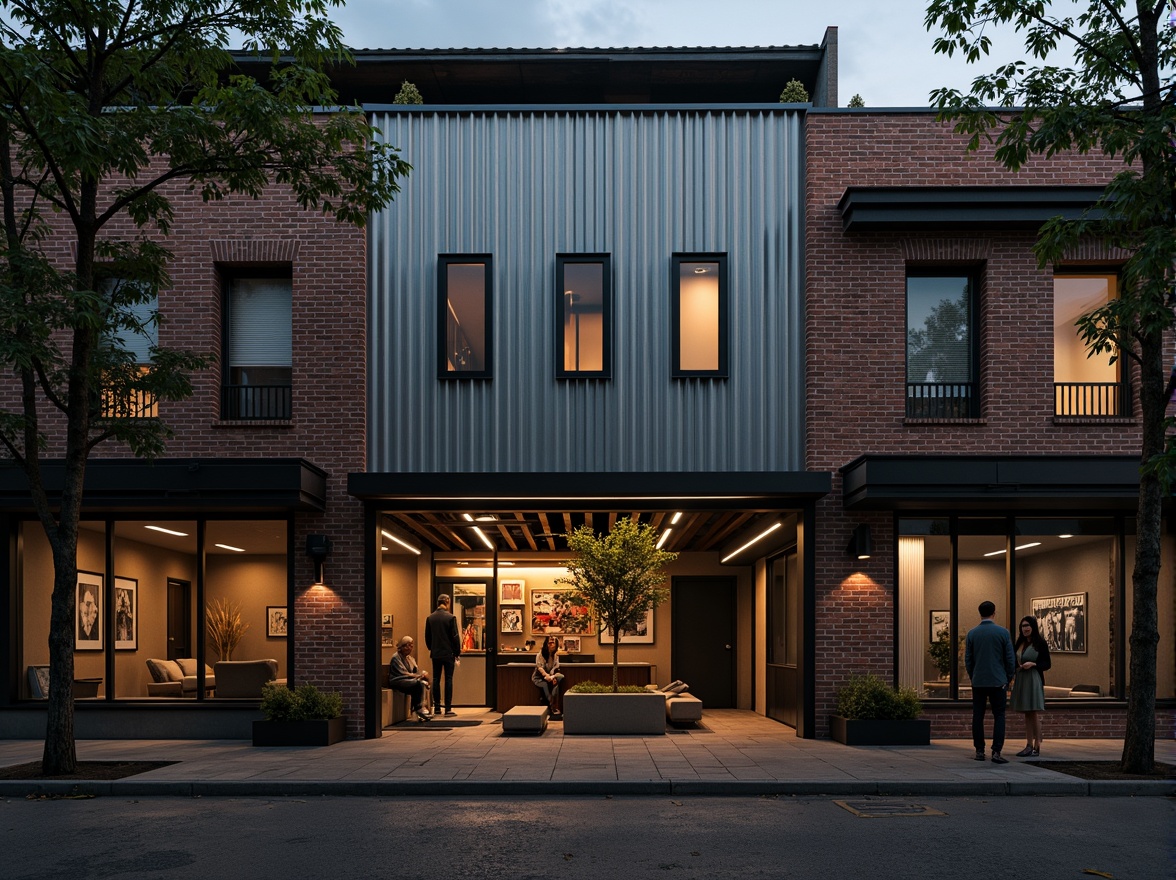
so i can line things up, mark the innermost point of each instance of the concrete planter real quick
(299, 733)
(875, 732)
(642, 714)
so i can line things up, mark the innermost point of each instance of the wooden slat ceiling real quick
(522, 531)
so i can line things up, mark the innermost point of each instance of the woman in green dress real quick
(1029, 683)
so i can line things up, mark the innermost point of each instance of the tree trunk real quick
(616, 648)
(60, 754)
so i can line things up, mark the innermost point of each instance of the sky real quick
(885, 52)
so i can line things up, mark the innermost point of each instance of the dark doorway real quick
(703, 615)
(179, 619)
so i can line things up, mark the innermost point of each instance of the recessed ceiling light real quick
(700, 270)
(674, 520)
(1065, 536)
(486, 517)
(467, 517)
(167, 531)
(230, 547)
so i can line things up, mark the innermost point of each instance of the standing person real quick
(1029, 685)
(547, 676)
(406, 677)
(444, 644)
(988, 657)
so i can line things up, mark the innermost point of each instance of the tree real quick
(1117, 97)
(102, 105)
(618, 575)
(408, 94)
(794, 93)
(857, 102)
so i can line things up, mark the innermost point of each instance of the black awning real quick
(940, 482)
(894, 208)
(259, 484)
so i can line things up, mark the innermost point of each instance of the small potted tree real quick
(304, 716)
(620, 576)
(869, 712)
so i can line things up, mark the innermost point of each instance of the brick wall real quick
(856, 365)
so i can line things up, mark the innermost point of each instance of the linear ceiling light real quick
(404, 544)
(758, 537)
(677, 516)
(167, 531)
(1018, 547)
(230, 547)
(664, 537)
(485, 540)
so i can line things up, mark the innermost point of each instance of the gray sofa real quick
(177, 678)
(245, 678)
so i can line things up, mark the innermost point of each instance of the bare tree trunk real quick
(616, 647)
(60, 754)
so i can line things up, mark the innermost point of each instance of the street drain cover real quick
(886, 809)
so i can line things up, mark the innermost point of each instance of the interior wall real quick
(253, 583)
(398, 598)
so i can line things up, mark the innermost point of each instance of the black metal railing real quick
(244, 402)
(941, 400)
(129, 405)
(1105, 399)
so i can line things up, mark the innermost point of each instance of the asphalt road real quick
(586, 837)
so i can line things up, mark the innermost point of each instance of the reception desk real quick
(516, 689)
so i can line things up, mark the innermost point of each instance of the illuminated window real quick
(464, 299)
(1084, 386)
(130, 344)
(583, 316)
(258, 348)
(699, 315)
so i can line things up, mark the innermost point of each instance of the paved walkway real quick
(733, 753)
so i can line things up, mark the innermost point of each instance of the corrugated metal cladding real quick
(525, 185)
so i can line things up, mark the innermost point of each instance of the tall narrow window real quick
(123, 394)
(1084, 386)
(258, 347)
(464, 293)
(583, 315)
(699, 315)
(941, 353)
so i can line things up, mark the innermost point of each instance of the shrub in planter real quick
(304, 716)
(595, 687)
(869, 712)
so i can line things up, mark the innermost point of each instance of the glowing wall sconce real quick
(861, 543)
(318, 548)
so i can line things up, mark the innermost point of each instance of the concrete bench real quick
(683, 709)
(525, 719)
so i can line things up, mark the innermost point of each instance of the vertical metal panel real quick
(640, 185)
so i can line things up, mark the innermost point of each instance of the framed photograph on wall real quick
(88, 615)
(571, 644)
(386, 620)
(1062, 621)
(275, 621)
(552, 611)
(512, 619)
(940, 622)
(512, 593)
(126, 614)
(642, 634)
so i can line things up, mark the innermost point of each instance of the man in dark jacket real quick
(988, 657)
(444, 646)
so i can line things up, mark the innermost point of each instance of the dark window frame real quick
(1125, 403)
(230, 410)
(606, 315)
(974, 275)
(443, 263)
(676, 261)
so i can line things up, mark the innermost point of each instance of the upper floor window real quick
(941, 345)
(583, 316)
(258, 348)
(464, 292)
(1084, 386)
(132, 341)
(698, 306)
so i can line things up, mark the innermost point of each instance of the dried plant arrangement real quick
(225, 627)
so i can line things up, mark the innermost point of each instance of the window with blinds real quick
(258, 349)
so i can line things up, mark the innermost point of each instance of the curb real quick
(550, 788)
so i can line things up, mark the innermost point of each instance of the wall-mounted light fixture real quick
(861, 543)
(318, 548)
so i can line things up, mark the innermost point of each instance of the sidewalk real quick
(734, 753)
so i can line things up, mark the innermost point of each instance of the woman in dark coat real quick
(1029, 684)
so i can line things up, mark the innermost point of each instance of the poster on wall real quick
(88, 631)
(512, 620)
(387, 632)
(126, 614)
(275, 621)
(511, 593)
(641, 634)
(940, 623)
(1062, 621)
(571, 644)
(552, 611)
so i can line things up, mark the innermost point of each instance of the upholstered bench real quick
(683, 709)
(525, 719)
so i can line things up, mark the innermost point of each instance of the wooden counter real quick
(516, 689)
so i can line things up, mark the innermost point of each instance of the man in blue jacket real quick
(988, 657)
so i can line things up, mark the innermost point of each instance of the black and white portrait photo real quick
(126, 617)
(1062, 621)
(88, 634)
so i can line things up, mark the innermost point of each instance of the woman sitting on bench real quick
(547, 676)
(404, 676)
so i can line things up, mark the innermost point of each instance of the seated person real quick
(547, 676)
(406, 677)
